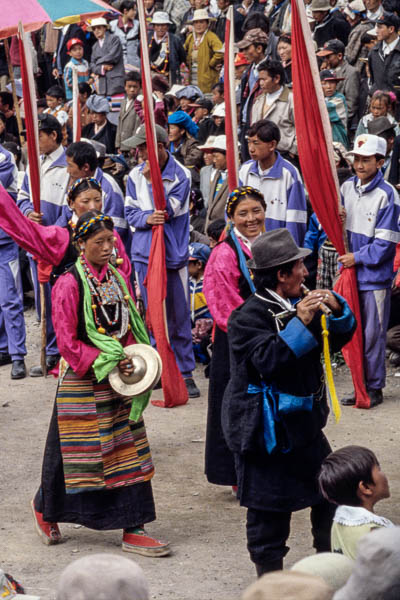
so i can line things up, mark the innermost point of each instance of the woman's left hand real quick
(126, 366)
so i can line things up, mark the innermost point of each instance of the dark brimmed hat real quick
(328, 75)
(332, 47)
(390, 19)
(140, 137)
(202, 103)
(47, 121)
(380, 125)
(274, 248)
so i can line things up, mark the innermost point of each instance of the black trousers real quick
(268, 531)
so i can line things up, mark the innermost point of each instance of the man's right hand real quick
(309, 306)
(55, 73)
(156, 218)
(35, 217)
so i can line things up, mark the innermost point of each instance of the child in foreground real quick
(352, 478)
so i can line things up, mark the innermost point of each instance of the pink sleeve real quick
(221, 284)
(126, 267)
(47, 244)
(65, 302)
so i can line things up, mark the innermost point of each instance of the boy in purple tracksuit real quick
(277, 179)
(12, 323)
(141, 215)
(372, 210)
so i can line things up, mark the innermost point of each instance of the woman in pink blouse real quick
(227, 283)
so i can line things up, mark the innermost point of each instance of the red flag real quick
(314, 141)
(174, 388)
(232, 151)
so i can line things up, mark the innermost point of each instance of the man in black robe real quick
(275, 407)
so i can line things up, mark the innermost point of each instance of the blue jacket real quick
(139, 205)
(53, 185)
(283, 193)
(372, 223)
(8, 179)
(315, 235)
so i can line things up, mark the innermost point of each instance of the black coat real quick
(177, 56)
(385, 71)
(334, 26)
(278, 481)
(238, 21)
(105, 136)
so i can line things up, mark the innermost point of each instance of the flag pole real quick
(32, 139)
(174, 388)
(232, 146)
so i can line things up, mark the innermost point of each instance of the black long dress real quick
(219, 460)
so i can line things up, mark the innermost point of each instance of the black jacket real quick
(258, 352)
(238, 21)
(385, 71)
(334, 26)
(177, 56)
(105, 136)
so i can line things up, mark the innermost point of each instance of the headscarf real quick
(183, 120)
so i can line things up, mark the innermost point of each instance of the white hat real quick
(367, 144)
(218, 110)
(201, 14)
(354, 8)
(219, 143)
(161, 18)
(98, 22)
(209, 145)
(372, 32)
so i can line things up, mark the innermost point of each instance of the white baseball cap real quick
(218, 110)
(367, 144)
(100, 21)
(219, 143)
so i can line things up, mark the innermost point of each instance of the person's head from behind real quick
(271, 76)
(85, 195)
(81, 160)
(256, 20)
(214, 231)
(85, 91)
(94, 237)
(245, 209)
(6, 102)
(103, 576)
(352, 476)
(54, 96)
(133, 83)
(263, 138)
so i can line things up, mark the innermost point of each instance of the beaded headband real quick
(237, 195)
(78, 182)
(87, 225)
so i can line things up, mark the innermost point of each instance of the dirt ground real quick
(203, 523)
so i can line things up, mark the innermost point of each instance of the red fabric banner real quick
(174, 388)
(232, 151)
(314, 141)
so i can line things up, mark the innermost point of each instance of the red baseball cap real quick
(74, 42)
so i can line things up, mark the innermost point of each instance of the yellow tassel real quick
(328, 370)
(129, 327)
(94, 306)
(101, 330)
(127, 297)
(119, 261)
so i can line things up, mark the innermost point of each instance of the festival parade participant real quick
(226, 285)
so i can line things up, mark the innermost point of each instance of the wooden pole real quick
(14, 91)
(43, 330)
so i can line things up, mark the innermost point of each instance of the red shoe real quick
(141, 543)
(49, 532)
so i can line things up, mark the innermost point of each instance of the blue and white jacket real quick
(113, 206)
(283, 192)
(9, 180)
(372, 223)
(53, 185)
(139, 205)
